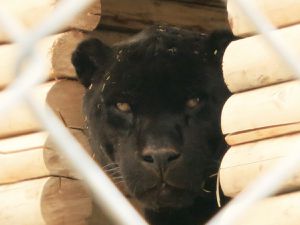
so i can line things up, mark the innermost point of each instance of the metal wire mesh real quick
(105, 193)
(270, 181)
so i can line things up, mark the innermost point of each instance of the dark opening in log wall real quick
(120, 19)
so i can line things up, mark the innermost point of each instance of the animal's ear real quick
(90, 60)
(218, 41)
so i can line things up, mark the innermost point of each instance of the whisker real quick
(207, 191)
(213, 175)
(119, 182)
(110, 164)
(115, 173)
(218, 193)
(134, 185)
(203, 188)
(113, 169)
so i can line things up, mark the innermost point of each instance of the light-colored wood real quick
(280, 13)
(259, 66)
(57, 49)
(33, 12)
(264, 107)
(243, 163)
(29, 141)
(262, 133)
(65, 98)
(46, 201)
(110, 37)
(279, 210)
(194, 15)
(20, 120)
(34, 155)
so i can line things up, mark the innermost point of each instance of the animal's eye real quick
(123, 107)
(193, 103)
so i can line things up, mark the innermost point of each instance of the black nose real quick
(159, 157)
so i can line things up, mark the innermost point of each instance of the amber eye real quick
(123, 107)
(193, 103)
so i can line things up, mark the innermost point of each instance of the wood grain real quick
(250, 62)
(45, 201)
(261, 108)
(33, 12)
(243, 163)
(65, 98)
(279, 210)
(280, 13)
(125, 15)
(40, 158)
(262, 133)
(57, 49)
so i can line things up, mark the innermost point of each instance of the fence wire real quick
(113, 203)
(270, 181)
(108, 197)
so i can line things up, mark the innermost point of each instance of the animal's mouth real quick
(164, 195)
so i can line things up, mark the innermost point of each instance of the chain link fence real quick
(105, 193)
(269, 182)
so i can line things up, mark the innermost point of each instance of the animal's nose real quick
(159, 158)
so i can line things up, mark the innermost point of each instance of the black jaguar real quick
(153, 106)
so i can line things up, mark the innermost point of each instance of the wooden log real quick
(34, 155)
(279, 210)
(280, 13)
(265, 107)
(57, 49)
(45, 201)
(65, 98)
(50, 201)
(201, 15)
(262, 133)
(110, 37)
(33, 12)
(243, 163)
(260, 66)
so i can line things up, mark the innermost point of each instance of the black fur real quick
(163, 150)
